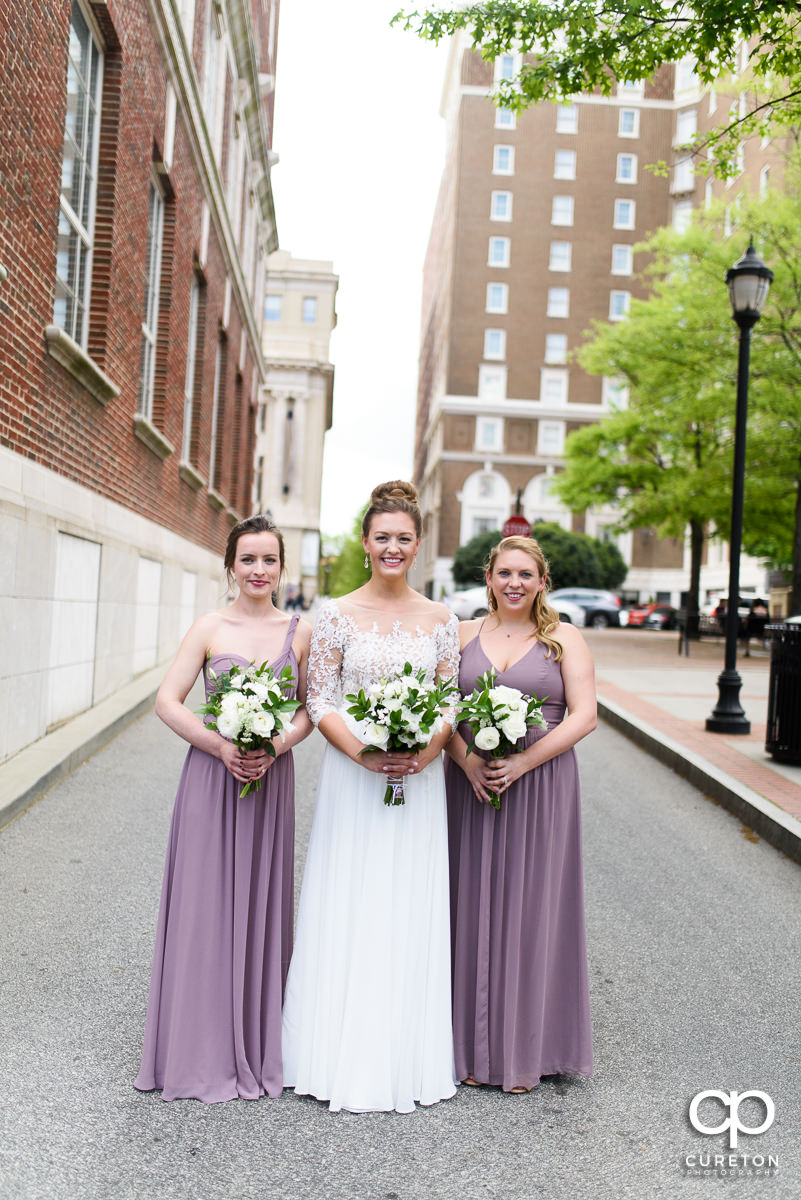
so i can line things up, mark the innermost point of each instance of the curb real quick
(778, 828)
(26, 777)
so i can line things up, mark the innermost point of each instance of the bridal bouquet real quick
(400, 714)
(499, 717)
(250, 706)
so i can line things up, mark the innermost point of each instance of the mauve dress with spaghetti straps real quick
(224, 933)
(520, 987)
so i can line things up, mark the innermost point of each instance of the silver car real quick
(472, 602)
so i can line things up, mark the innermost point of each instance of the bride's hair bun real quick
(396, 489)
(395, 496)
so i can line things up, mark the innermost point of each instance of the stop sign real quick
(516, 526)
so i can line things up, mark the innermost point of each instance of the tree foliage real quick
(582, 45)
(347, 570)
(575, 560)
(665, 461)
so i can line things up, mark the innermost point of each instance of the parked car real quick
(662, 616)
(472, 602)
(601, 608)
(638, 613)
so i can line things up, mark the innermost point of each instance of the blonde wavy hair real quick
(543, 617)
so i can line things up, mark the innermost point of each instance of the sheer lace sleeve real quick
(323, 684)
(447, 640)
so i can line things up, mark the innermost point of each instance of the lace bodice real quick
(353, 647)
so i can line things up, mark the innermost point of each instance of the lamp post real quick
(748, 282)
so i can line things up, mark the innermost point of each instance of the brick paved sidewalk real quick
(662, 699)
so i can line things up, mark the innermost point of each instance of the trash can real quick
(783, 735)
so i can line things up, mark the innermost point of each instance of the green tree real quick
(469, 559)
(612, 563)
(665, 461)
(347, 570)
(582, 45)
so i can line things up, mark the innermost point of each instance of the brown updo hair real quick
(255, 524)
(542, 616)
(395, 496)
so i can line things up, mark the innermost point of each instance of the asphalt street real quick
(694, 940)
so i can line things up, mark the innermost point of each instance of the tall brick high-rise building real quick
(137, 216)
(532, 239)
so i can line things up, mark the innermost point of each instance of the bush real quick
(575, 559)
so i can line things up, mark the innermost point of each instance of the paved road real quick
(695, 941)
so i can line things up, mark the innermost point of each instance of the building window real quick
(155, 234)
(626, 168)
(503, 160)
(497, 298)
(683, 180)
(556, 347)
(631, 88)
(558, 302)
(499, 249)
(505, 118)
(484, 525)
(491, 382)
(624, 214)
(713, 100)
(622, 259)
(564, 165)
(628, 122)
(211, 75)
(78, 181)
(550, 437)
(561, 256)
(272, 308)
(489, 436)
(567, 118)
(191, 366)
(501, 206)
(495, 343)
(562, 210)
(686, 126)
(308, 311)
(553, 387)
(505, 66)
(614, 393)
(764, 180)
(619, 303)
(216, 416)
(682, 215)
(686, 78)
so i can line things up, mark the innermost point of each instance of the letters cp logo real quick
(732, 1102)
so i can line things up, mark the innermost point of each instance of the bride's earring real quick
(366, 561)
(414, 561)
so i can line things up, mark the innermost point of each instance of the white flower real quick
(505, 695)
(514, 726)
(263, 724)
(375, 735)
(228, 724)
(392, 703)
(487, 739)
(262, 690)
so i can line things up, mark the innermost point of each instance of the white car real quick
(472, 602)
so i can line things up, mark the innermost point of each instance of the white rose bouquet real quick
(250, 706)
(499, 717)
(399, 714)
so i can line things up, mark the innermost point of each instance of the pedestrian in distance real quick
(367, 1017)
(754, 624)
(224, 933)
(520, 986)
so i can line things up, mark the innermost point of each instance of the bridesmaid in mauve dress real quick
(224, 933)
(520, 988)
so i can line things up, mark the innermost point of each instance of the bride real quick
(367, 1015)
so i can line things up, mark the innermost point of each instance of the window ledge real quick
(79, 365)
(155, 441)
(215, 500)
(190, 476)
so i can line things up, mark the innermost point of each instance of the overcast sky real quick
(361, 146)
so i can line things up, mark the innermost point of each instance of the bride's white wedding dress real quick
(367, 1014)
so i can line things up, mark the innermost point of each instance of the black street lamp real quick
(748, 282)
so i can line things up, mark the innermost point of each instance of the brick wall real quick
(45, 414)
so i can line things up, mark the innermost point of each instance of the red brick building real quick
(532, 240)
(136, 214)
